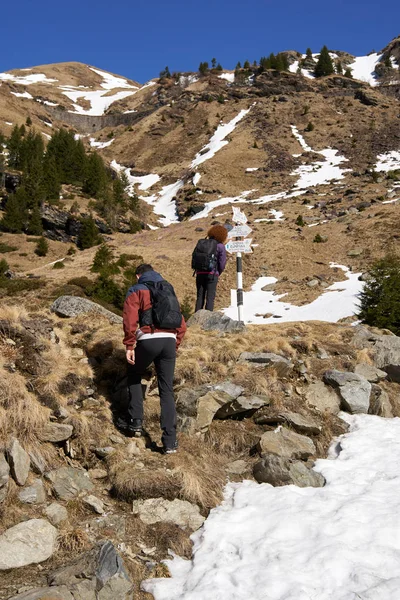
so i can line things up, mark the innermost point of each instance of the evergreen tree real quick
(165, 73)
(324, 65)
(388, 62)
(309, 53)
(88, 233)
(103, 262)
(219, 67)
(339, 68)
(238, 66)
(50, 178)
(35, 226)
(42, 247)
(380, 299)
(4, 266)
(213, 63)
(15, 214)
(28, 122)
(246, 64)
(203, 68)
(95, 181)
(348, 73)
(14, 148)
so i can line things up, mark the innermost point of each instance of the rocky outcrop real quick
(302, 424)
(73, 306)
(159, 510)
(215, 321)
(26, 543)
(354, 390)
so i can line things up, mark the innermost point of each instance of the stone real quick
(313, 283)
(19, 462)
(299, 422)
(116, 439)
(106, 525)
(101, 570)
(355, 252)
(354, 390)
(286, 443)
(47, 593)
(4, 477)
(32, 541)
(282, 365)
(215, 321)
(380, 403)
(38, 463)
(34, 494)
(97, 473)
(56, 513)
(105, 451)
(159, 510)
(387, 355)
(242, 406)
(323, 398)
(269, 287)
(278, 471)
(68, 482)
(94, 503)
(73, 306)
(237, 467)
(371, 373)
(233, 390)
(56, 432)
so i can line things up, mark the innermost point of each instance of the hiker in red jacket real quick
(209, 261)
(147, 342)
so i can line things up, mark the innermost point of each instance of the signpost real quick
(239, 245)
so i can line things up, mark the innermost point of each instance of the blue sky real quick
(137, 38)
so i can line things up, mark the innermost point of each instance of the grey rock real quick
(159, 510)
(282, 365)
(242, 406)
(380, 403)
(28, 542)
(73, 306)
(47, 593)
(313, 283)
(34, 494)
(233, 390)
(215, 321)
(238, 467)
(354, 390)
(371, 373)
(56, 432)
(278, 471)
(286, 443)
(56, 513)
(187, 399)
(105, 451)
(68, 482)
(94, 503)
(97, 473)
(19, 462)
(115, 523)
(302, 424)
(387, 355)
(38, 463)
(355, 252)
(323, 398)
(268, 288)
(4, 477)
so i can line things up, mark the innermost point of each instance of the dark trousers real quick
(161, 351)
(206, 290)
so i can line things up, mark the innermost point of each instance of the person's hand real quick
(130, 356)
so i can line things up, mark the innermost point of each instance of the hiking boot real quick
(171, 449)
(121, 423)
(134, 428)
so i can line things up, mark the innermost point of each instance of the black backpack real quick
(204, 256)
(165, 312)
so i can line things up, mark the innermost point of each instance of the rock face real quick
(385, 348)
(371, 373)
(34, 494)
(28, 542)
(354, 390)
(323, 398)
(215, 321)
(68, 482)
(56, 432)
(279, 471)
(287, 444)
(179, 512)
(19, 462)
(97, 575)
(4, 477)
(72, 306)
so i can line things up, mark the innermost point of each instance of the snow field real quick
(389, 161)
(145, 181)
(339, 542)
(26, 79)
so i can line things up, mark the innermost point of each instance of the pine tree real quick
(219, 67)
(203, 68)
(213, 63)
(103, 262)
(15, 214)
(165, 73)
(50, 178)
(4, 267)
(42, 247)
(246, 65)
(14, 148)
(238, 66)
(28, 122)
(324, 65)
(348, 73)
(95, 181)
(88, 233)
(309, 53)
(339, 68)
(35, 226)
(388, 61)
(380, 299)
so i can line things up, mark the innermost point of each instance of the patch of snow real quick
(277, 215)
(26, 79)
(227, 76)
(110, 82)
(8, 123)
(98, 99)
(218, 141)
(46, 135)
(363, 68)
(251, 169)
(22, 95)
(47, 102)
(96, 144)
(319, 223)
(48, 124)
(338, 301)
(389, 161)
(341, 541)
(127, 112)
(391, 201)
(185, 80)
(152, 227)
(145, 181)
(220, 202)
(163, 202)
(196, 178)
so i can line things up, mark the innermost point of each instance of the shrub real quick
(380, 299)
(42, 247)
(300, 221)
(135, 225)
(59, 265)
(319, 239)
(71, 251)
(187, 307)
(310, 127)
(6, 248)
(3, 267)
(88, 235)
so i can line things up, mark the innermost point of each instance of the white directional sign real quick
(240, 246)
(239, 231)
(238, 215)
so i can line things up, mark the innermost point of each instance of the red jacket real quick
(136, 302)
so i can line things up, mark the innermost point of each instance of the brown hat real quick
(219, 233)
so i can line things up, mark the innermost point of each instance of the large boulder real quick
(286, 443)
(4, 476)
(73, 306)
(306, 425)
(215, 321)
(323, 398)
(354, 390)
(96, 575)
(380, 403)
(19, 462)
(278, 471)
(242, 406)
(28, 542)
(159, 510)
(371, 373)
(68, 482)
(384, 348)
